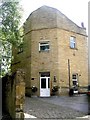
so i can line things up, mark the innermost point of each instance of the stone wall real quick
(8, 95)
(13, 95)
(78, 58)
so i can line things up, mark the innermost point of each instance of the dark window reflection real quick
(43, 83)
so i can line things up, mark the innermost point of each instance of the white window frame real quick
(72, 42)
(44, 43)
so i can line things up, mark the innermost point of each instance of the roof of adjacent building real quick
(48, 17)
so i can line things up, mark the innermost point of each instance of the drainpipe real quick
(69, 73)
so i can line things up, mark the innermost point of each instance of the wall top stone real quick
(48, 17)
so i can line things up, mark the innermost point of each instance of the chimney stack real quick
(82, 25)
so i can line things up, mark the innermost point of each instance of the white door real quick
(44, 86)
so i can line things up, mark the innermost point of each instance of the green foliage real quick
(10, 15)
(10, 21)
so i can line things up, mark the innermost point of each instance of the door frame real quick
(45, 92)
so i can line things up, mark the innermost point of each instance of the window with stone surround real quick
(44, 46)
(72, 42)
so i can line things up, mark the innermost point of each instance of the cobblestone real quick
(43, 110)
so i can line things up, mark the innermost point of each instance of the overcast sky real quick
(76, 10)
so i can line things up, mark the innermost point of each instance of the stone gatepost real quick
(20, 94)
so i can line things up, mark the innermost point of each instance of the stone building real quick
(55, 53)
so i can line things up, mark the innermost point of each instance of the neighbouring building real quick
(55, 53)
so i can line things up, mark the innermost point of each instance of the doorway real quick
(44, 86)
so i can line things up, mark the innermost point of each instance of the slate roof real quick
(48, 17)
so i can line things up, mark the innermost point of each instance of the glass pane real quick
(47, 47)
(43, 43)
(72, 38)
(45, 74)
(74, 82)
(48, 82)
(42, 47)
(72, 44)
(43, 83)
(74, 77)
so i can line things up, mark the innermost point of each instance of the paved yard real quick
(77, 102)
(56, 107)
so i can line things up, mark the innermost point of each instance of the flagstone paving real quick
(41, 108)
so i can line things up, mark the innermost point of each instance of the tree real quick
(10, 15)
